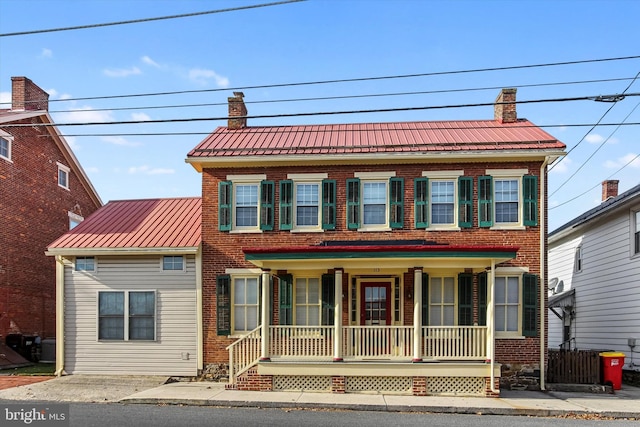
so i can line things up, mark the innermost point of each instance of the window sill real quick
(442, 228)
(247, 231)
(309, 230)
(508, 227)
(507, 336)
(369, 229)
(6, 159)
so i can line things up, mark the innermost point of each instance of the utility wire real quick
(603, 142)
(137, 21)
(328, 98)
(328, 113)
(357, 79)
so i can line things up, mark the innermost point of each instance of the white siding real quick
(608, 288)
(176, 329)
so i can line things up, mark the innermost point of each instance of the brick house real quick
(378, 256)
(43, 192)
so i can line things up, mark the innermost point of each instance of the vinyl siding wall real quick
(608, 288)
(176, 329)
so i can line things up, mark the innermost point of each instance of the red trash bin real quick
(612, 368)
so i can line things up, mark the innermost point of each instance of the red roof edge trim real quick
(380, 248)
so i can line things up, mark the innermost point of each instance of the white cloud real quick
(146, 170)
(630, 159)
(202, 76)
(84, 114)
(118, 140)
(122, 72)
(594, 138)
(5, 99)
(73, 143)
(140, 116)
(46, 53)
(150, 61)
(562, 166)
(92, 169)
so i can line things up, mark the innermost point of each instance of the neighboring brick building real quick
(43, 191)
(373, 245)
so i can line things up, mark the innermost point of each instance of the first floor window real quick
(63, 176)
(245, 303)
(85, 263)
(175, 263)
(126, 315)
(307, 301)
(442, 301)
(507, 305)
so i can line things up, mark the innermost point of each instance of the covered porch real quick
(375, 336)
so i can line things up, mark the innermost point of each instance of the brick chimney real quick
(237, 111)
(504, 109)
(609, 189)
(26, 95)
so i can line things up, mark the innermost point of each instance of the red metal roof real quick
(439, 136)
(151, 223)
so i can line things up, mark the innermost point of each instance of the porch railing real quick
(454, 342)
(377, 342)
(244, 353)
(301, 341)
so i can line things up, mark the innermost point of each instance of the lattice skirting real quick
(447, 386)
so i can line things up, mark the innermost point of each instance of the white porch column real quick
(264, 347)
(417, 315)
(491, 321)
(337, 316)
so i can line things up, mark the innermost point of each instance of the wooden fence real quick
(574, 366)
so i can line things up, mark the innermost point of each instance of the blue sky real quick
(321, 40)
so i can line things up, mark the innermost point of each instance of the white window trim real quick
(74, 217)
(126, 316)
(455, 298)
(436, 176)
(372, 177)
(95, 265)
(65, 169)
(9, 138)
(184, 265)
(233, 277)
(515, 174)
(632, 231)
(512, 272)
(245, 180)
(295, 303)
(306, 228)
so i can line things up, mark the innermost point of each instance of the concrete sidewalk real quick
(623, 404)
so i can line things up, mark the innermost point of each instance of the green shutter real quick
(286, 204)
(482, 299)
(465, 202)
(353, 204)
(328, 204)
(465, 299)
(267, 195)
(425, 299)
(396, 202)
(529, 305)
(485, 201)
(225, 205)
(285, 296)
(328, 299)
(421, 202)
(223, 304)
(530, 193)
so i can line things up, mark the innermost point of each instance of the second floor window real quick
(375, 201)
(5, 148)
(63, 176)
(246, 205)
(636, 234)
(507, 198)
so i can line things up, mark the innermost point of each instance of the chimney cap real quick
(238, 94)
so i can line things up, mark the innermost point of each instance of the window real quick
(173, 263)
(442, 301)
(63, 176)
(516, 305)
(307, 202)
(307, 208)
(577, 260)
(246, 299)
(85, 263)
(5, 147)
(636, 233)
(375, 201)
(137, 322)
(307, 311)
(443, 200)
(246, 203)
(507, 198)
(74, 220)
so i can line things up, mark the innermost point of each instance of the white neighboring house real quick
(129, 288)
(594, 277)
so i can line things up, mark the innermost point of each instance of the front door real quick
(375, 304)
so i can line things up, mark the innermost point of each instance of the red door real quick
(375, 303)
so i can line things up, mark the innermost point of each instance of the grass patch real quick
(35, 369)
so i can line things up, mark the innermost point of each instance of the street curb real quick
(381, 408)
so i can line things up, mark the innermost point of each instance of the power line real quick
(137, 21)
(328, 98)
(328, 113)
(351, 80)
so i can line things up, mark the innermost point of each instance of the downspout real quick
(492, 329)
(59, 316)
(199, 332)
(543, 289)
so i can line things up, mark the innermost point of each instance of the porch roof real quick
(378, 255)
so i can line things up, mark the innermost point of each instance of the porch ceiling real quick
(378, 256)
